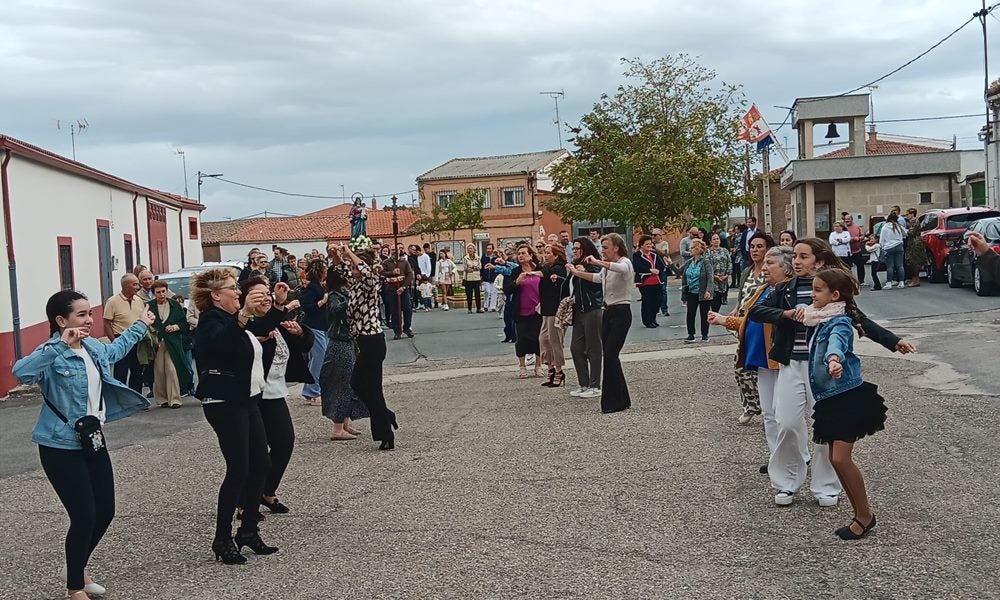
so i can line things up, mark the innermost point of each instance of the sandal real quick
(523, 373)
(846, 533)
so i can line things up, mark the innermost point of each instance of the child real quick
(426, 289)
(874, 250)
(847, 408)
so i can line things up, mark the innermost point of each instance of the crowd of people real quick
(319, 321)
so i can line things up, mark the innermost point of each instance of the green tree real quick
(429, 223)
(465, 211)
(662, 149)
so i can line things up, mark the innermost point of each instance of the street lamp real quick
(202, 176)
(395, 224)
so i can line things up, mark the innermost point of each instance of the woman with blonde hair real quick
(472, 279)
(698, 289)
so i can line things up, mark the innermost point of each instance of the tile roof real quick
(315, 226)
(883, 147)
(486, 166)
(337, 209)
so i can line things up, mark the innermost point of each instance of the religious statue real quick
(359, 218)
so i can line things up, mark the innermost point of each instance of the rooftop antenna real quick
(871, 105)
(180, 153)
(75, 127)
(556, 96)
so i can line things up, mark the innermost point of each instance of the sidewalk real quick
(500, 488)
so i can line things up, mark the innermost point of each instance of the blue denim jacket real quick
(833, 338)
(62, 376)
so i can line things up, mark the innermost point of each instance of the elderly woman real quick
(472, 279)
(755, 338)
(231, 382)
(617, 280)
(523, 289)
(171, 369)
(553, 287)
(588, 309)
(648, 267)
(751, 279)
(697, 289)
(722, 264)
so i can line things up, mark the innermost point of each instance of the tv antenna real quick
(555, 97)
(179, 152)
(75, 127)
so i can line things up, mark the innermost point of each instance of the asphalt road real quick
(943, 321)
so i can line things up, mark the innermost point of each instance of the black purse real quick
(88, 430)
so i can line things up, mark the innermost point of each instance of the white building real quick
(67, 225)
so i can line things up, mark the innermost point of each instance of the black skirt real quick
(849, 416)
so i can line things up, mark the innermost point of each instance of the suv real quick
(942, 229)
(962, 267)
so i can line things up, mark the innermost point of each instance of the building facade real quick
(70, 226)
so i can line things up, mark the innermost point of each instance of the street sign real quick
(479, 237)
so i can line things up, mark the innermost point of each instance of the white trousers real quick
(766, 380)
(489, 295)
(793, 404)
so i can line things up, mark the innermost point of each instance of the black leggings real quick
(366, 380)
(243, 442)
(280, 439)
(86, 489)
(694, 303)
(473, 287)
(876, 284)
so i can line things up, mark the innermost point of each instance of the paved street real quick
(502, 489)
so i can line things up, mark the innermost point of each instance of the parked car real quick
(962, 266)
(179, 282)
(942, 229)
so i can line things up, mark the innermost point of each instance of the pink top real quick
(529, 297)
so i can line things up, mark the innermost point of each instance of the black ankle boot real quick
(253, 541)
(226, 551)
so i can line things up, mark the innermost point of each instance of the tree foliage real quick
(662, 149)
(465, 211)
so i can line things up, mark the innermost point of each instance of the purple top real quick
(529, 297)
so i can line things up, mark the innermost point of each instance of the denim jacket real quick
(833, 338)
(62, 376)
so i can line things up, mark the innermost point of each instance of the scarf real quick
(816, 316)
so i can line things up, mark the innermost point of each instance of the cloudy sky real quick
(311, 95)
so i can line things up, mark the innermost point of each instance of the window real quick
(444, 198)
(512, 196)
(65, 262)
(964, 220)
(926, 197)
(129, 260)
(485, 195)
(930, 222)
(192, 228)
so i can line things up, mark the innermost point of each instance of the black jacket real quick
(587, 295)
(224, 354)
(315, 314)
(299, 346)
(784, 298)
(551, 294)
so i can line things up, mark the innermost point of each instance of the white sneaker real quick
(444, 307)
(887, 286)
(576, 393)
(591, 393)
(92, 589)
(828, 501)
(784, 498)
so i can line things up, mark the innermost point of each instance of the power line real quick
(937, 118)
(293, 194)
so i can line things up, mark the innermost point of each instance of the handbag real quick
(88, 430)
(564, 313)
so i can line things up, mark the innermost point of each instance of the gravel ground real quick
(502, 489)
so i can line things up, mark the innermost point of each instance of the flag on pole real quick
(756, 130)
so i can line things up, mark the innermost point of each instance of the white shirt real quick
(257, 379)
(841, 243)
(94, 384)
(618, 282)
(424, 263)
(275, 386)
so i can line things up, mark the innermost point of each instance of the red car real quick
(942, 229)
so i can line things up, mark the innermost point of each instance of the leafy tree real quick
(429, 223)
(662, 149)
(465, 211)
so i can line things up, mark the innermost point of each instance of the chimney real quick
(872, 142)
(374, 206)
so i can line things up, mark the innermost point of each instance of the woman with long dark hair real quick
(617, 281)
(313, 300)
(231, 382)
(552, 288)
(648, 266)
(73, 372)
(522, 287)
(285, 347)
(340, 403)
(588, 310)
(362, 316)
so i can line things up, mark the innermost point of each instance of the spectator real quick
(489, 274)
(857, 240)
(121, 311)
(662, 248)
(472, 278)
(171, 371)
(445, 276)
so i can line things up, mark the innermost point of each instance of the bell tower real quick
(851, 111)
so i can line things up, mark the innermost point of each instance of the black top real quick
(336, 311)
(224, 354)
(315, 315)
(551, 293)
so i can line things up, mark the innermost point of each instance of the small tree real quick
(465, 211)
(429, 223)
(662, 149)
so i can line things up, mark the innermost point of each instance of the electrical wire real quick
(283, 193)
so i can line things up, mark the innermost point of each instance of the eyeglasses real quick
(233, 287)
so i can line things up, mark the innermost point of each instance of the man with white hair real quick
(146, 279)
(120, 312)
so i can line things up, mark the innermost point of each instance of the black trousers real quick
(652, 295)
(696, 302)
(718, 299)
(129, 371)
(86, 489)
(614, 328)
(280, 439)
(876, 284)
(473, 288)
(366, 380)
(509, 332)
(243, 442)
(393, 302)
(858, 260)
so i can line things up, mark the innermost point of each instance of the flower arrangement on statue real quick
(360, 244)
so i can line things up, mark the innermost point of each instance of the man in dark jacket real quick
(396, 292)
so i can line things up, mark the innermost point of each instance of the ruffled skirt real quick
(849, 416)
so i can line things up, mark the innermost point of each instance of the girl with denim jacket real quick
(73, 371)
(847, 408)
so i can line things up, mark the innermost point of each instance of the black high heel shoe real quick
(253, 541)
(552, 377)
(276, 507)
(226, 551)
(560, 379)
(845, 533)
(388, 444)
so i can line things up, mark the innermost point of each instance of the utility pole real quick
(989, 133)
(555, 96)
(180, 153)
(202, 176)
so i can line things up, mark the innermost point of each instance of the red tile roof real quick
(339, 209)
(882, 147)
(314, 226)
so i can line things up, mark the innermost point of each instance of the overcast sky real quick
(309, 95)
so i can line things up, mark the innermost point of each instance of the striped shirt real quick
(803, 297)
